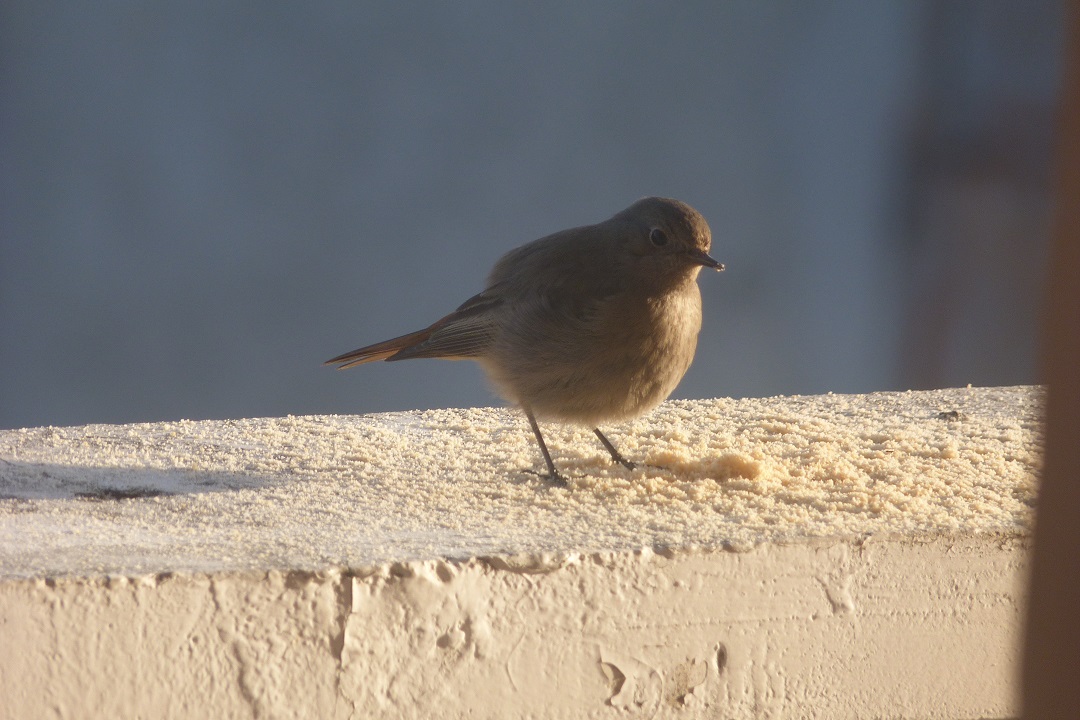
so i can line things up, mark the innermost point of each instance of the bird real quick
(590, 325)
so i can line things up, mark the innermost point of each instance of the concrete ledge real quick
(831, 556)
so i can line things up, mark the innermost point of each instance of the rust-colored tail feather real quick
(378, 351)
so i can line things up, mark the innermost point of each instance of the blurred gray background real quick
(200, 202)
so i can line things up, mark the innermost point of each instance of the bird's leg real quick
(614, 453)
(553, 474)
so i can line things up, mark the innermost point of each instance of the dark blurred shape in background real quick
(980, 175)
(200, 203)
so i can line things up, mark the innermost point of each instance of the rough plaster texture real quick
(832, 557)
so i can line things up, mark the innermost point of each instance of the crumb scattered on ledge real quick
(360, 490)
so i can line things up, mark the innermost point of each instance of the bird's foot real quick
(556, 479)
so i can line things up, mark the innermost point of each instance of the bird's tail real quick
(379, 351)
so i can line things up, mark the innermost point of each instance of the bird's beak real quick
(699, 257)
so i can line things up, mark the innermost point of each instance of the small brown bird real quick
(589, 325)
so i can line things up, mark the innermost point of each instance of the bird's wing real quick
(569, 279)
(545, 283)
(465, 333)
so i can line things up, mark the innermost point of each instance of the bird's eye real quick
(658, 237)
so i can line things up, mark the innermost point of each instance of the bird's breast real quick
(616, 362)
